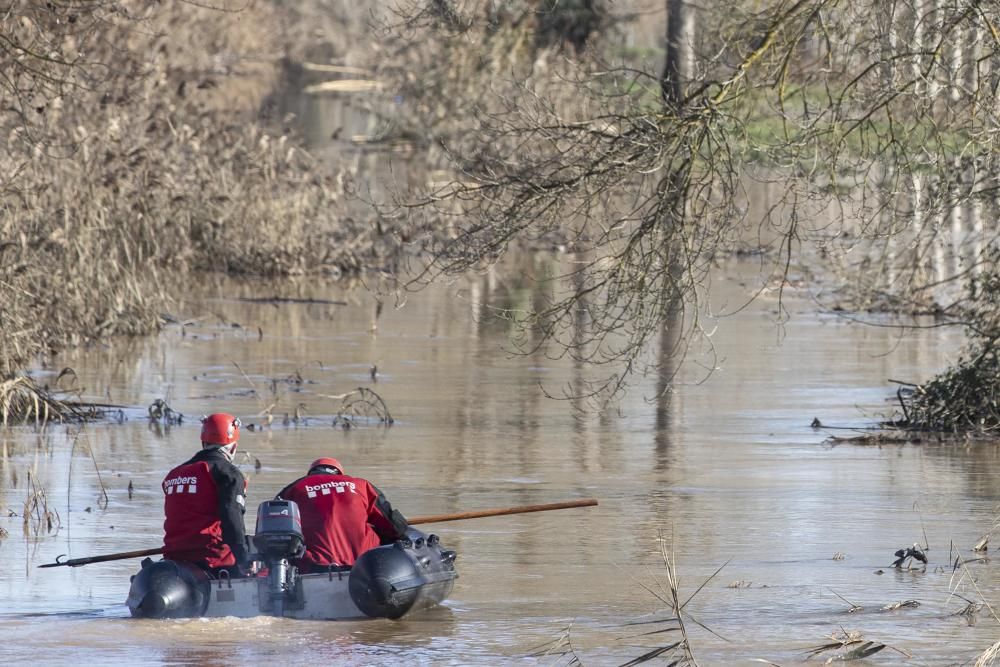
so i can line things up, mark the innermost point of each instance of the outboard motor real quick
(412, 573)
(168, 589)
(278, 538)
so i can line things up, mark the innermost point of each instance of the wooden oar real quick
(433, 518)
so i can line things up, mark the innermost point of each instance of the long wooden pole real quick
(433, 518)
(500, 511)
(76, 562)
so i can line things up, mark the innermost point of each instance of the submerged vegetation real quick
(965, 398)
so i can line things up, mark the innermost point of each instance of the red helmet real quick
(220, 429)
(327, 462)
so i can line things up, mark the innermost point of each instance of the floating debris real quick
(959, 561)
(969, 611)
(853, 607)
(559, 648)
(854, 647)
(23, 400)
(162, 413)
(362, 402)
(963, 399)
(905, 604)
(905, 555)
(876, 439)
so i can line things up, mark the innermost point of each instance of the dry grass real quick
(108, 197)
(664, 639)
(22, 400)
(677, 650)
(559, 649)
(38, 517)
(170, 159)
(972, 608)
(988, 658)
(851, 645)
(451, 56)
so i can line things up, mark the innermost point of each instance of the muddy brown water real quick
(728, 471)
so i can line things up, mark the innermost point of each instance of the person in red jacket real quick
(204, 502)
(342, 516)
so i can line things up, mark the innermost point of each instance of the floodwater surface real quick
(723, 472)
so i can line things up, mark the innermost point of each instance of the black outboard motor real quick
(278, 538)
(168, 589)
(279, 530)
(394, 579)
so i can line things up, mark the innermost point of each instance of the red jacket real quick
(342, 517)
(204, 502)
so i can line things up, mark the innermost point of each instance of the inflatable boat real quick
(389, 581)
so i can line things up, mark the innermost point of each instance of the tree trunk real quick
(890, 43)
(917, 45)
(937, 71)
(678, 70)
(678, 65)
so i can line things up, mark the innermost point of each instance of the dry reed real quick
(23, 400)
(988, 658)
(678, 651)
(38, 517)
(112, 193)
(561, 648)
